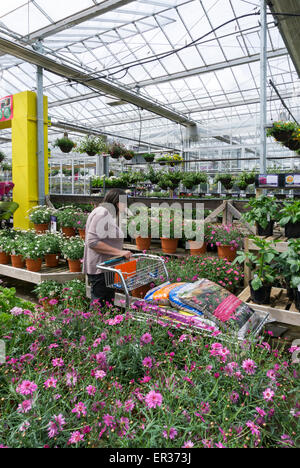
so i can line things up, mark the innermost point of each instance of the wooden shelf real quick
(60, 274)
(281, 308)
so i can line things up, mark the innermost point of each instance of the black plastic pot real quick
(297, 298)
(212, 248)
(292, 231)
(268, 231)
(262, 295)
(290, 292)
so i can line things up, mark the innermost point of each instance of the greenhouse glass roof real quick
(199, 58)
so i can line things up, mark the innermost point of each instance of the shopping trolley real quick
(127, 276)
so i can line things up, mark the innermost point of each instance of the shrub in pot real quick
(40, 217)
(48, 291)
(228, 240)
(288, 267)
(170, 229)
(5, 249)
(263, 213)
(91, 145)
(73, 251)
(81, 223)
(263, 265)
(139, 228)
(290, 219)
(33, 252)
(51, 244)
(67, 219)
(194, 229)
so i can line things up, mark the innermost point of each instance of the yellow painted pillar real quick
(24, 155)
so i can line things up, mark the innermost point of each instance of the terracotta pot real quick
(197, 248)
(68, 232)
(34, 265)
(52, 260)
(143, 243)
(224, 251)
(74, 266)
(4, 258)
(17, 261)
(169, 246)
(41, 228)
(82, 233)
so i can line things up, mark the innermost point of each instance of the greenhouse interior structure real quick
(150, 226)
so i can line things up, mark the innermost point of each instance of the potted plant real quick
(192, 179)
(117, 150)
(81, 224)
(290, 219)
(67, 219)
(91, 145)
(48, 291)
(264, 267)
(64, 144)
(51, 244)
(33, 252)
(40, 216)
(227, 180)
(263, 213)
(149, 157)
(5, 249)
(228, 240)
(191, 228)
(282, 131)
(170, 229)
(141, 223)
(73, 251)
(15, 250)
(128, 155)
(170, 159)
(288, 267)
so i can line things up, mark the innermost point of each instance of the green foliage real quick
(67, 217)
(191, 179)
(9, 300)
(263, 210)
(64, 144)
(41, 214)
(73, 248)
(290, 213)
(92, 145)
(50, 289)
(227, 180)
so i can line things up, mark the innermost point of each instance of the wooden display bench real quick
(61, 274)
(281, 308)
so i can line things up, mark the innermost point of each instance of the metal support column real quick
(263, 87)
(40, 132)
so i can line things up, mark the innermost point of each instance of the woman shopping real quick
(104, 240)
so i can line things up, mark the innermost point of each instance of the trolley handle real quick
(113, 261)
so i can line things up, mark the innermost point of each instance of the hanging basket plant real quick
(227, 180)
(117, 150)
(91, 145)
(64, 144)
(149, 157)
(129, 155)
(282, 131)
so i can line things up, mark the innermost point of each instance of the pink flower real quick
(76, 437)
(129, 405)
(188, 444)
(108, 420)
(260, 411)
(53, 302)
(153, 399)
(91, 390)
(30, 330)
(268, 394)
(171, 434)
(79, 409)
(26, 388)
(147, 362)
(100, 374)
(58, 362)
(16, 311)
(254, 429)
(249, 366)
(25, 406)
(50, 383)
(146, 338)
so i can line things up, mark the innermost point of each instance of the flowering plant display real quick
(170, 159)
(91, 145)
(117, 150)
(99, 378)
(73, 249)
(32, 249)
(218, 270)
(41, 214)
(51, 243)
(227, 235)
(81, 220)
(67, 217)
(48, 290)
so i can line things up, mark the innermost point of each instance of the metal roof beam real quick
(77, 18)
(104, 86)
(211, 68)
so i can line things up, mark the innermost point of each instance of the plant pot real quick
(68, 231)
(17, 261)
(74, 266)
(34, 265)
(225, 251)
(91, 153)
(149, 160)
(292, 231)
(169, 246)
(211, 247)
(143, 243)
(197, 248)
(52, 260)
(4, 258)
(262, 295)
(282, 135)
(293, 145)
(41, 228)
(290, 292)
(82, 233)
(297, 298)
(268, 231)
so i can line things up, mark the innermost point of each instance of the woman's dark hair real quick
(113, 198)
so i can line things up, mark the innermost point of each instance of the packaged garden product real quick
(222, 307)
(160, 294)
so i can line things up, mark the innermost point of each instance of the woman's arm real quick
(103, 248)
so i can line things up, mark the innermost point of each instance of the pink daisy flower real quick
(153, 399)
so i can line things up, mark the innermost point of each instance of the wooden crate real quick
(281, 308)
(60, 274)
